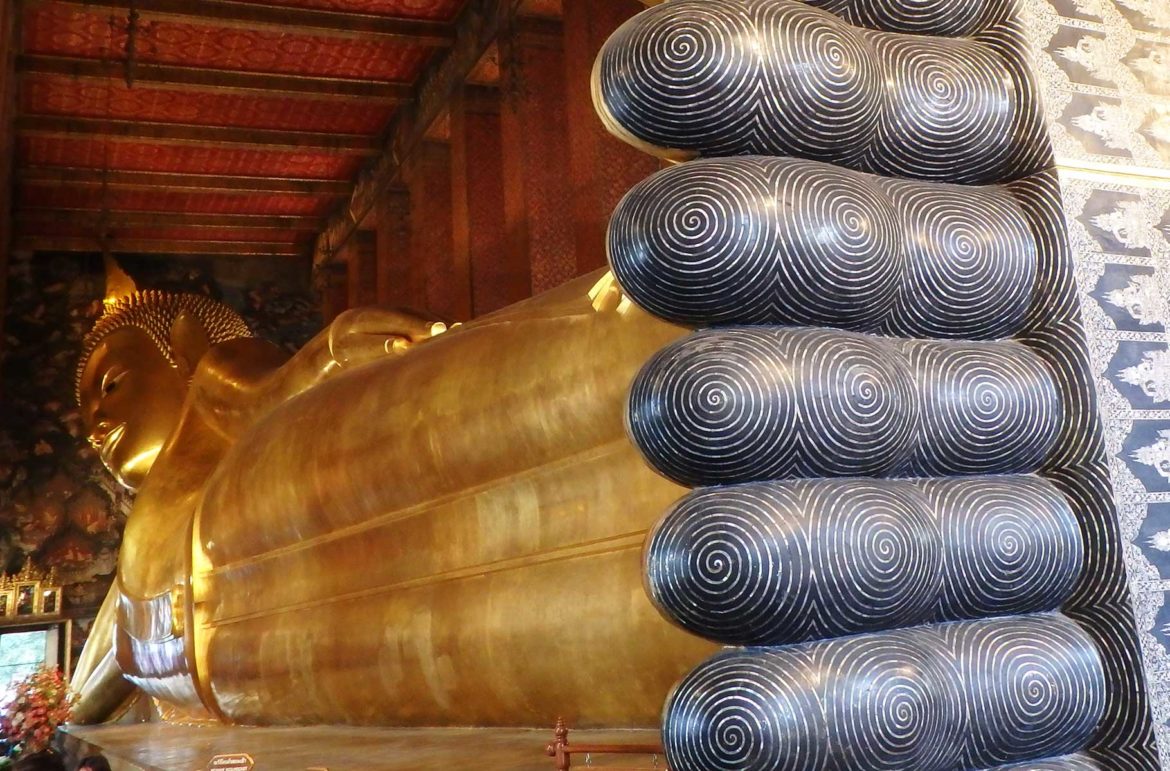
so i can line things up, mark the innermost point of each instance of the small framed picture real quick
(26, 599)
(50, 601)
(7, 602)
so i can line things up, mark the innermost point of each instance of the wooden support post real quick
(332, 282)
(460, 211)
(429, 270)
(603, 168)
(362, 273)
(533, 125)
(393, 247)
(498, 275)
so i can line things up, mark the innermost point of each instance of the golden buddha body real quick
(388, 528)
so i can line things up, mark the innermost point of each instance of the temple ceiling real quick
(208, 126)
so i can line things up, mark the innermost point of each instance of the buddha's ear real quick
(189, 341)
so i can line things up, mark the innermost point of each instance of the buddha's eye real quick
(110, 381)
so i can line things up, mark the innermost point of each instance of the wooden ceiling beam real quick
(158, 246)
(477, 27)
(215, 136)
(149, 219)
(153, 180)
(220, 81)
(283, 18)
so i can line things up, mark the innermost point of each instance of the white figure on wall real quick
(1142, 300)
(1113, 123)
(1093, 54)
(1151, 374)
(1098, 8)
(1157, 11)
(1132, 224)
(1160, 541)
(1156, 455)
(1159, 128)
(1154, 69)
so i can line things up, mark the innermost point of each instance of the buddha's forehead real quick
(125, 348)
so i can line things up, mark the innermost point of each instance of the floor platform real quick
(164, 747)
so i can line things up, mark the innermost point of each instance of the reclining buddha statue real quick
(901, 523)
(390, 527)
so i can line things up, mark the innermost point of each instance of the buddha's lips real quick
(110, 441)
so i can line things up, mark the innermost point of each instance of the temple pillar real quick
(497, 275)
(392, 248)
(362, 273)
(429, 272)
(332, 283)
(536, 169)
(603, 168)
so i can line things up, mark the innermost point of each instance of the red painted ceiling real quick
(437, 10)
(183, 159)
(64, 95)
(84, 33)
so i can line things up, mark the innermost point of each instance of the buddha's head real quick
(135, 368)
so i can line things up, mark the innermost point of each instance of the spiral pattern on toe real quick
(1067, 763)
(942, 18)
(927, 699)
(1010, 545)
(970, 262)
(782, 241)
(1039, 682)
(722, 407)
(778, 77)
(893, 702)
(994, 407)
(758, 240)
(948, 99)
(755, 403)
(748, 710)
(783, 562)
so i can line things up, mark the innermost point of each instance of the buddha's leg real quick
(450, 538)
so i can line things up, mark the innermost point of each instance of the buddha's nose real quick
(97, 436)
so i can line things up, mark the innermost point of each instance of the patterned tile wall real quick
(1104, 67)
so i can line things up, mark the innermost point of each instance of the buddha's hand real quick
(362, 335)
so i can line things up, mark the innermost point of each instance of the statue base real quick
(168, 747)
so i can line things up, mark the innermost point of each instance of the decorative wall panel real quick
(1104, 68)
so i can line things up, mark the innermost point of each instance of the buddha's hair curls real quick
(154, 312)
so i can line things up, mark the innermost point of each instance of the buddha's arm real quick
(241, 380)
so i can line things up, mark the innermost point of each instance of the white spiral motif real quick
(967, 695)
(942, 18)
(1066, 763)
(933, 90)
(778, 77)
(776, 563)
(783, 241)
(758, 403)
(1038, 678)
(994, 407)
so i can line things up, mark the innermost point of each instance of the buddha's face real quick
(131, 398)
